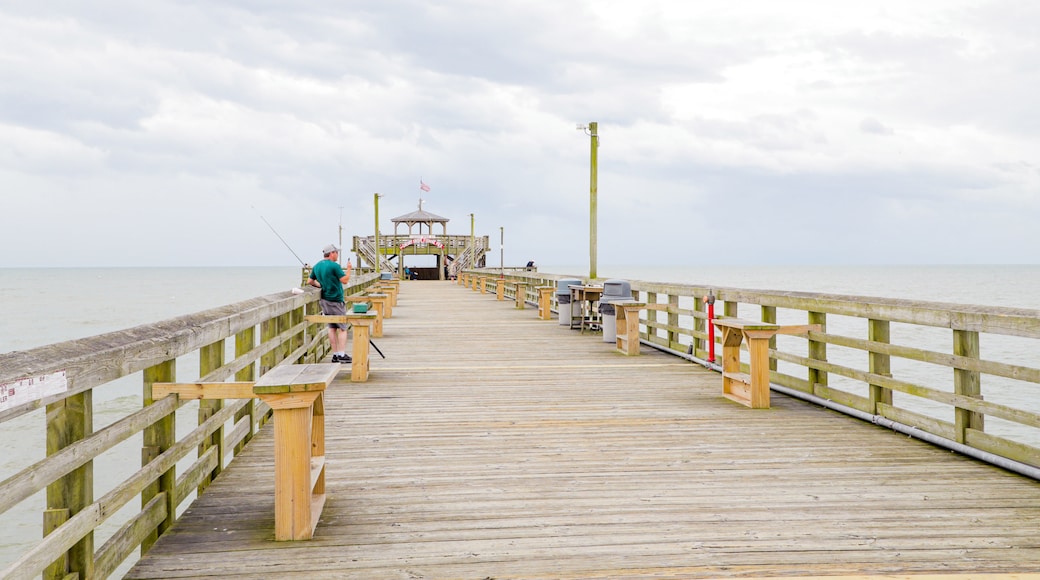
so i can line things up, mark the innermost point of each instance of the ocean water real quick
(45, 306)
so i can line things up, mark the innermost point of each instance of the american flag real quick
(423, 186)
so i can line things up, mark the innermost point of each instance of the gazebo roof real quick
(420, 217)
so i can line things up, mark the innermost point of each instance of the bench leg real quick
(359, 354)
(758, 349)
(292, 462)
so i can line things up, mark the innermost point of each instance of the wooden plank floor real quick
(490, 444)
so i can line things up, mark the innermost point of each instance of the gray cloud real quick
(186, 115)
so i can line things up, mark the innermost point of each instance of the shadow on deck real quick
(491, 444)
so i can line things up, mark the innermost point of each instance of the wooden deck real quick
(537, 452)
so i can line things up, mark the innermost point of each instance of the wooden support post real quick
(699, 344)
(627, 316)
(769, 315)
(378, 307)
(69, 421)
(967, 383)
(361, 325)
(389, 287)
(817, 351)
(388, 308)
(244, 342)
(879, 364)
(521, 295)
(268, 332)
(157, 439)
(673, 322)
(545, 294)
(211, 357)
(500, 289)
(483, 284)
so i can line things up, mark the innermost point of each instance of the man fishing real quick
(330, 277)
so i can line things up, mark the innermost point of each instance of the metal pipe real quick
(593, 192)
(378, 255)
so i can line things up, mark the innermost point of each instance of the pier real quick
(538, 452)
(494, 442)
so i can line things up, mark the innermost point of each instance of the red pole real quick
(710, 301)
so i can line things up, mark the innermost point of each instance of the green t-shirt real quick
(328, 274)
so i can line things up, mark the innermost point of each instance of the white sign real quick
(32, 389)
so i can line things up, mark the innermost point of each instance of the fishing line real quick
(302, 263)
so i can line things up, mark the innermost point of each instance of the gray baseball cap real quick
(329, 249)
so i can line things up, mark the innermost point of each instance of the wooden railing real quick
(912, 364)
(266, 332)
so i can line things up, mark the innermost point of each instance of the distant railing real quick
(912, 365)
(267, 331)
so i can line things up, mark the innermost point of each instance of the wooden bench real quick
(296, 394)
(521, 295)
(391, 287)
(380, 303)
(750, 389)
(627, 316)
(361, 324)
(545, 294)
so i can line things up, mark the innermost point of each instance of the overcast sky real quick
(831, 132)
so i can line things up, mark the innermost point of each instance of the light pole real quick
(501, 251)
(472, 246)
(592, 130)
(375, 197)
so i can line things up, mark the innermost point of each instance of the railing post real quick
(68, 421)
(651, 317)
(211, 357)
(817, 351)
(699, 327)
(157, 439)
(268, 331)
(245, 340)
(729, 308)
(769, 315)
(673, 321)
(880, 364)
(967, 383)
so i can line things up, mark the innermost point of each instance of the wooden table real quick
(520, 295)
(627, 316)
(752, 388)
(545, 301)
(361, 324)
(586, 298)
(296, 394)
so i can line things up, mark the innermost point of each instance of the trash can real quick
(563, 298)
(613, 291)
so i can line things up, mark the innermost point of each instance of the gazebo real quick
(418, 241)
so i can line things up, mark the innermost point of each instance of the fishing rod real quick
(377, 348)
(302, 263)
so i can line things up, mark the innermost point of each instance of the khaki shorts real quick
(333, 309)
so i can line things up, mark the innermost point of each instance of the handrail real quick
(267, 331)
